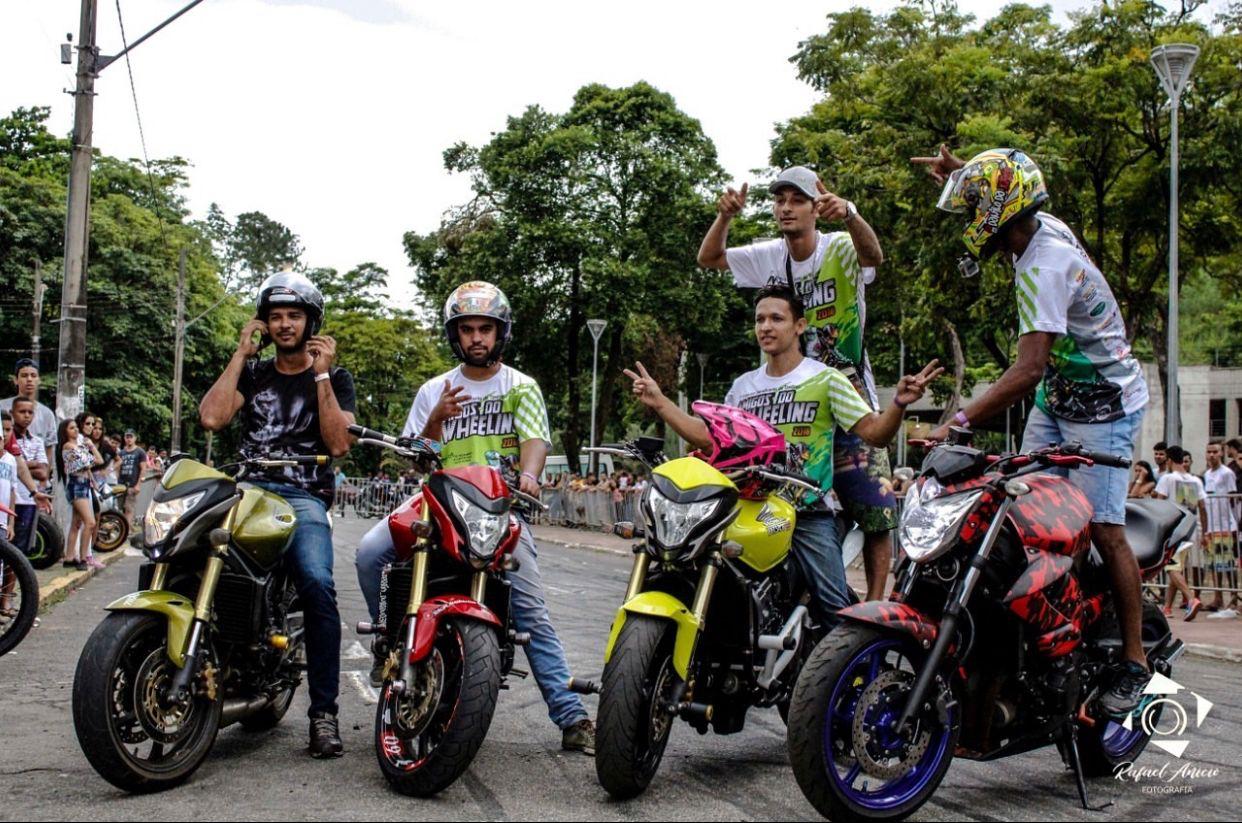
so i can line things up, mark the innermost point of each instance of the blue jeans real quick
(527, 605)
(1104, 486)
(817, 549)
(309, 561)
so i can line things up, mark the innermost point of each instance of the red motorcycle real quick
(444, 617)
(996, 639)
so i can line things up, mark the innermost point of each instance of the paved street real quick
(520, 773)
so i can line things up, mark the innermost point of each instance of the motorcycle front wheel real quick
(19, 596)
(847, 758)
(112, 531)
(132, 741)
(427, 736)
(47, 544)
(633, 725)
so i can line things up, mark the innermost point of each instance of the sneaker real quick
(1168, 611)
(93, 563)
(580, 737)
(379, 661)
(1192, 609)
(325, 736)
(1224, 614)
(1126, 692)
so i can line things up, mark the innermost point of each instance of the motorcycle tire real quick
(19, 597)
(1107, 745)
(111, 532)
(463, 712)
(109, 676)
(832, 677)
(629, 743)
(49, 542)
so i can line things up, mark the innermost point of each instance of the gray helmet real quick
(478, 299)
(291, 289)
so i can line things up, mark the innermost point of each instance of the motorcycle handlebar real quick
(1103, 459)
(291, 460)
(363, 433)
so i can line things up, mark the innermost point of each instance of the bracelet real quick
(899, 404)
(319, 378)
(961, 419)
(531, 476)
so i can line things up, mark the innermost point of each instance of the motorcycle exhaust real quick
(238, 709)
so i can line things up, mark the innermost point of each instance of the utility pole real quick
(596, 328)
(178, 357)
(71, 371)
(37, 317)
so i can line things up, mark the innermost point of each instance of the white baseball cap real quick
(798, 177)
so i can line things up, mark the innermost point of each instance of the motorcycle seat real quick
(1150, 524)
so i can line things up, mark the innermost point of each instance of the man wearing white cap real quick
(829, 272)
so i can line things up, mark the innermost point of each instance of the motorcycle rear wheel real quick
(112, 531)
(132, 742)
(633, 729)
(49, 542)
(19, 596)
(856, 668)
(426, 738)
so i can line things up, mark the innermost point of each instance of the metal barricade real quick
(370, 499)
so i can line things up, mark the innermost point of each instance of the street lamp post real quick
(703, 357)
(597, 329)
(1173, 63)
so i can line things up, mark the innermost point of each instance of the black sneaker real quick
(1126, 693)
(325, 736)
(580, 737)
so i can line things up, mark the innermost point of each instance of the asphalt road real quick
(521, 773)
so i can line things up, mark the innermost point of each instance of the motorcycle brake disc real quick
(164, 725)
(883, 753)
(415, 709)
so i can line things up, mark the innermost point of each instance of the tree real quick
(1081, 99)
(596, 212)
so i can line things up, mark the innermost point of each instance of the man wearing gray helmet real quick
(829, 273)
(296, 403)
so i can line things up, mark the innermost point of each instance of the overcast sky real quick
(331, 115)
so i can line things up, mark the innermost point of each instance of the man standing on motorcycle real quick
(480, 412)
(296, 403)
(829, 273)
(1073, 346)
(805, 400)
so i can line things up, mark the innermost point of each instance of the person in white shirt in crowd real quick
(34, 453)
(1186, 490)
(43, 426)
(1221, 543)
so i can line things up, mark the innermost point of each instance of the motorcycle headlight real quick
(674, 521)
(930, 524)
(485, 529)
(163, 516)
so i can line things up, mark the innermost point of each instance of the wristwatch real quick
(851, 211)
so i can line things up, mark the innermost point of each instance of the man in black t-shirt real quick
(133, 458)
(296, 403)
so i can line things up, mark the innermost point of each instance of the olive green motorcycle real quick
(212, 637)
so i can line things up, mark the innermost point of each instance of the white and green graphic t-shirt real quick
(806, 406)
(831, 284)
(502, 413)
(1091, 376)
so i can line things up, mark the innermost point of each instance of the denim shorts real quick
(78, 488)
(1103, 486)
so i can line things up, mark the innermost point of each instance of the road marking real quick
(363, 684)
(355, 651)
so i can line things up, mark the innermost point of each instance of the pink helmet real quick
(739, 438)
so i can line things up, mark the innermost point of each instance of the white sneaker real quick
(1223, 614)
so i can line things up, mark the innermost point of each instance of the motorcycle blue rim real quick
(900, 790)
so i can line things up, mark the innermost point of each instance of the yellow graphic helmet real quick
(994, 187)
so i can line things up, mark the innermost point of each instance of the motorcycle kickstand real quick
(1070, 743)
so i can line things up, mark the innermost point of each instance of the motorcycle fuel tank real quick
(1055, 517)
(263, 526)
(764, 528)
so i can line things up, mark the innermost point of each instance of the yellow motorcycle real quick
(714, 620)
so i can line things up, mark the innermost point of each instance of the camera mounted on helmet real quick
(478, 299)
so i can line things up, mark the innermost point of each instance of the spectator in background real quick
(34, 454)
(131, 459)
(75, 455)
(1222, 524)
(1233, 449)
(153, 462)
(1143, 483)
(1185, 490)
(107, 472)
(26, 379)
(1160, 453)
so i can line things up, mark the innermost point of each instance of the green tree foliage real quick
(1081, 99)
(592, 213)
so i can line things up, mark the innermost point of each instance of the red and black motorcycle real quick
(996, 639)
(443, 617)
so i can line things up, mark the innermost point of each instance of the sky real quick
(331, 116)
